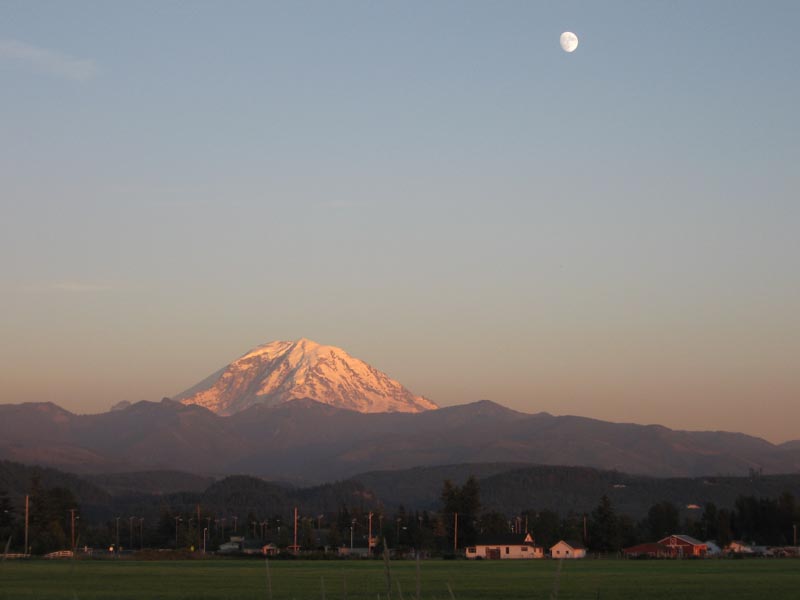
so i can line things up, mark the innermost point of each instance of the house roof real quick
(648, 548)
(684, 538)
(571, 543)
(504, 539)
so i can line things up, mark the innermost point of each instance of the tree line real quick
(56, 522)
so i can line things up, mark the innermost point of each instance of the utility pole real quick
(141, 533)
(585, 535)
(369, 534)
(794, 527)
(199, 533)
(72, 527)
(177, 520)
(116, 548)
(130, 520)
(27, 514)
(295, 531)
(455, 534)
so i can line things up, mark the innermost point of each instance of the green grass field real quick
(357, 580)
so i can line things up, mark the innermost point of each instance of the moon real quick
(569, 41)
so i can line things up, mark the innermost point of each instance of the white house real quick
(505, 546)
(567, 550)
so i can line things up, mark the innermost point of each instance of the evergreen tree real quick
(307, 538)
(628, 532)
(724, 527)
(603, 529)
(50, 523)
(545, 525)
(663, 519)
(572, 528)
(461, 503)
(493, 522)
(6, 519)
(334, 536)
(708, 528)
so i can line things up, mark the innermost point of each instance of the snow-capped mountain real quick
(282, 371)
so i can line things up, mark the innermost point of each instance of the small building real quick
(252, 547)
(505, 546)
(564, 549)
(739, 547)
(649, 550)
(712, 549)
(684, 546)
(232, 546)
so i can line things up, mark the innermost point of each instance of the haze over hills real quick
(512, 488)
(279, 372)
(306, 441)
(505, 487)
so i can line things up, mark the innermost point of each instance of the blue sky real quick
(436, 187)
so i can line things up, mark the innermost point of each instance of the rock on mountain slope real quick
(282, 371)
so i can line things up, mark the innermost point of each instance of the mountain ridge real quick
(310, 442)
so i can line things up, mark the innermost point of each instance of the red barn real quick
(684, 546)
(650, 550)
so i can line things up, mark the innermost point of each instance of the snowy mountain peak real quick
(282, 371)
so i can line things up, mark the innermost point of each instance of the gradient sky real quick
(435, 187)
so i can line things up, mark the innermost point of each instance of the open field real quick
(356, 580)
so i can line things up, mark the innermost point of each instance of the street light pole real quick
(130, 519)
(177, 520)
(141, 533)
(116, 548)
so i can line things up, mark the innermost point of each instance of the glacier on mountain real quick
(282, 371)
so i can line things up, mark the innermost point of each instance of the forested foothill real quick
(108, 513)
